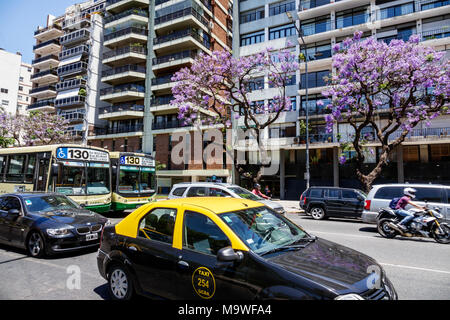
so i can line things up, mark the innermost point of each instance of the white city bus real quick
(82, 173)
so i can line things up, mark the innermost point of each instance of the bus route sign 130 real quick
(82, 154)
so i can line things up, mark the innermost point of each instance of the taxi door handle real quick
(183, 264)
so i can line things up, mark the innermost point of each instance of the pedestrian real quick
(267, 191)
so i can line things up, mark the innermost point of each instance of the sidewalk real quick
(291, 206)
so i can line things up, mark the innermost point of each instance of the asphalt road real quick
(418, 268)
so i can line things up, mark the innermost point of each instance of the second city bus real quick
(81, 173)
(134, 179)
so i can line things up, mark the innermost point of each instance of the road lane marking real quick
(414, 268)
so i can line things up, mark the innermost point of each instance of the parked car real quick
(435, 195)
(227, 248)
(323, 202)
(47, 223)
(212, 189)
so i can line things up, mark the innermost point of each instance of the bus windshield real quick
(133, 179)
(78, 178)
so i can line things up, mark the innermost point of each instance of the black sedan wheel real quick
(36, 245)
(120, 283)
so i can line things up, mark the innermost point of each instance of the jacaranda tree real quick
(223, 84)
(405, 81)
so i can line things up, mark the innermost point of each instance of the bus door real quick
(43, 165)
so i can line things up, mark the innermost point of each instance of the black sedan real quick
(47, 223)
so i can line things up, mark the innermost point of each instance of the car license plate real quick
(93, 236)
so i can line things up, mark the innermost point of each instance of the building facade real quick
(324, 24)
(15, 83)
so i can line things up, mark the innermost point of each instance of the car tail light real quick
(367, 205)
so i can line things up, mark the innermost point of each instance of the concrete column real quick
(400, 168)
(336, 166)
(282, 174)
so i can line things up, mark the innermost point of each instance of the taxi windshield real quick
(263, 230)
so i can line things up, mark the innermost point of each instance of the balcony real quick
(176, 19)
(162, 82)
(47, 105)
(73, 117)
(72, 69)
(73, 101)
(171, 124)
(129, 16)
(119, 130)
(161, 104)
(179, 40)
(82, 50)
(48, 33)
(126, 55)
(423, 135)
(46, 62)
(315, 8)
(122, 93)
(437, 36)
(75, 37)
(70, 84)
(126, 36)
(115, 6)
(122, 112)
(175, 59)
(43, 92)
(46, 76)
(128, 73)
(81, 21)
(47, 48)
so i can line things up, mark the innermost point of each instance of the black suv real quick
(324, 202)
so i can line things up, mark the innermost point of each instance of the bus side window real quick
(2, 167)
(15, 168)
(31, 166)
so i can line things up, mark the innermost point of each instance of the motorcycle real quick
(426, 223)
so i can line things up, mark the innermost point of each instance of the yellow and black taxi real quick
(226, 248)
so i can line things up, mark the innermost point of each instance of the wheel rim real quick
(119, 284)
(385, 229)
(35, 244)
(317, 213)
(445, 238)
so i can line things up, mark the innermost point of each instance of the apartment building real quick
(45, 63)
(146, 43)
(79, 67)
(325, 23)
(15, 83)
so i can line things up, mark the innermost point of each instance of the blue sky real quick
(20, 18)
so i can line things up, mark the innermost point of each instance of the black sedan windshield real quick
(49, 203)
(263, 230)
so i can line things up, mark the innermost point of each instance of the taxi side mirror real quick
(14, 212)
(227, 254)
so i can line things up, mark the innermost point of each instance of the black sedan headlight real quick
(60, 232)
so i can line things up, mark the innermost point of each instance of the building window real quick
(125, 145)
(315, 79)
(252, 38)
(282, 32)
(253, 15)
(281, 7)
(3, 90)
(317, 25)
(20, 88)
(352, 17)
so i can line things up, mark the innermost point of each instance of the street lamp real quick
(300, 35)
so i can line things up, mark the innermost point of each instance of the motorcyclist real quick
(257, 191)
(408, 195)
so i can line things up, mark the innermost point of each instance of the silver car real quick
(212, 189)
(434, 195)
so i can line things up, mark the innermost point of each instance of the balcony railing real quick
(82, 18)
(180, 14)
(122, 108)
(436, 34)
(124, 32)
(161, 100)
(162, 80)
(123, 88)
(39, 31)
(424, 133)
(123, 69)
(126, 13)
(82, 49)
(121, 129)
(45, 58)
(309, 4)
(172, 124)
(42, 103)
(70, 101)
(44, 73)
(125, 50)
(176, 56)
(353, 20)
(181, 34)
(73, 116)
(46, 43)
(73, 68)
(319, 27)
(44, 88)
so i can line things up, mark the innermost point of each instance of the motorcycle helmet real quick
(411, 192)
(257, 186)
